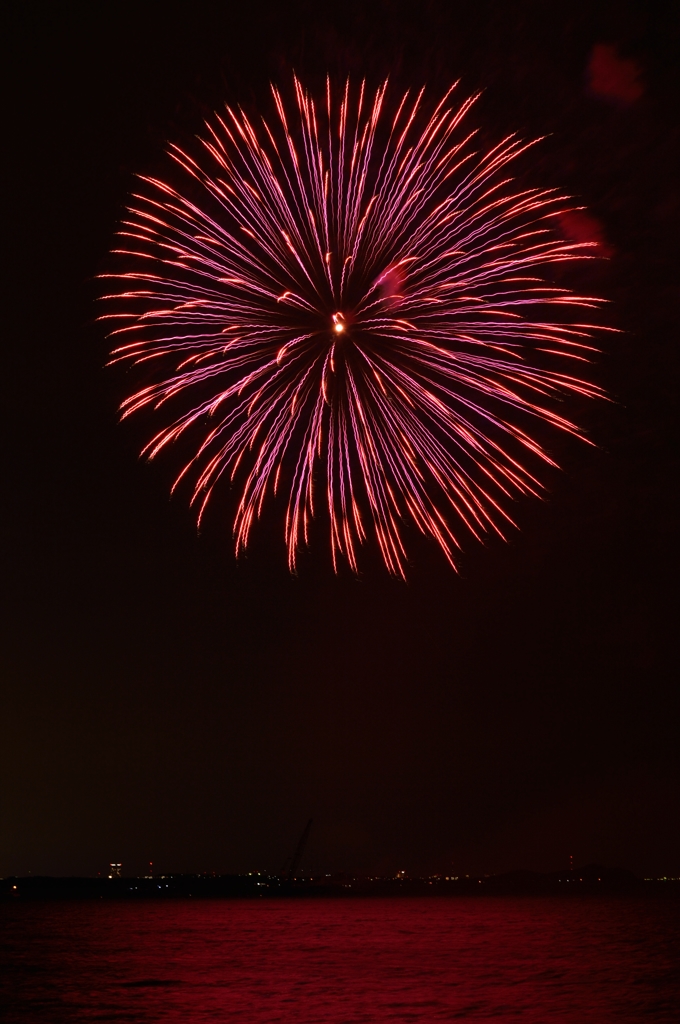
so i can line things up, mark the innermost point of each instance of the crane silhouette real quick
(289, 872)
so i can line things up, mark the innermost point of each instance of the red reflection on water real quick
(338, 961)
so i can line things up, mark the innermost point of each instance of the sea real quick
(595, 959)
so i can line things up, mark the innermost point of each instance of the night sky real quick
(161, 701)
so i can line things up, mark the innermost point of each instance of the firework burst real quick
(344, 306)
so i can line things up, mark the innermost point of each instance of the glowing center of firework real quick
(338, 323)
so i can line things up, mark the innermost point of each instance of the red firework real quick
(352, 313)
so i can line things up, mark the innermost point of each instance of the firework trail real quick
(342, 306)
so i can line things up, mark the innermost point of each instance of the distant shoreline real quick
(589, 880)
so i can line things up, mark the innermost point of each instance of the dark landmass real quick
(591, 879)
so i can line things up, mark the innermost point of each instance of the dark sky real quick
(161, 702)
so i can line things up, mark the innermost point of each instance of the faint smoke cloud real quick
(391, 285)
(582, 227)
(612, 77)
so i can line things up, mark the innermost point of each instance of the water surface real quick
(503, 959)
